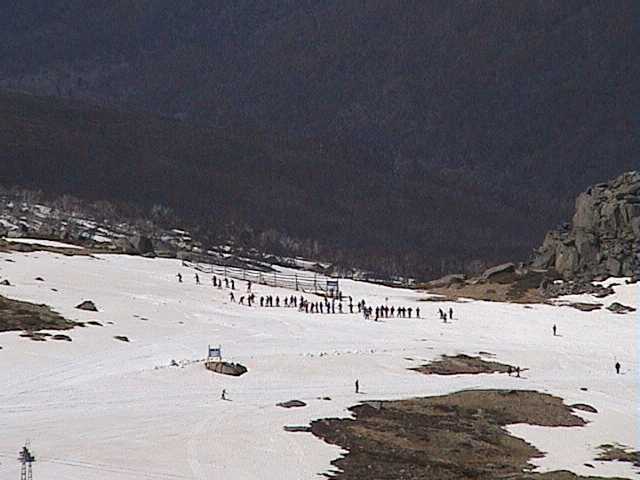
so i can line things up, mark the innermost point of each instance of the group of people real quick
(385, 311)
(323, 306)
(217, 282)
(443, 314)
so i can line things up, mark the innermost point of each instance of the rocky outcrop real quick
(620, 308)
(497, 270)
(226, 368)
(604, 237)
(87, 305)
(447, 281)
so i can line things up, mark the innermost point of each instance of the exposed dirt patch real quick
(459, 436)
(463, 365)
(620, 308)
(16, 315)
(503, 287)
(585, 307)
(620, 453)
(36, 336)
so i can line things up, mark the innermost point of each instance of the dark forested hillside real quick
(395, 133)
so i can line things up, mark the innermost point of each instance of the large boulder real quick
(447, 281)
(142, 244)
(498, 269)
(226, 368)
(125, 246)
(135, 245)
(88, 306)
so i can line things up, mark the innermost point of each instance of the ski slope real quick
(98, 408)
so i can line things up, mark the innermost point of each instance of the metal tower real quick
(26, 458)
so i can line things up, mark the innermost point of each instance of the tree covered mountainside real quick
(407, 137)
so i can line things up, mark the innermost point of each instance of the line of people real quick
(217, 282)
(384, 311)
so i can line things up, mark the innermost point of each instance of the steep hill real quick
(382, 120)
(241, 185)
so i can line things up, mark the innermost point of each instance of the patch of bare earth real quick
(17, 315)
(504, 287)
(9, 247)
(611, 453)
(463, 364)
(460, 436)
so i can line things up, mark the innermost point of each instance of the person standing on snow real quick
(197, 279)
(357, 386)
(555, 329)
(618, 368)
(179, 275)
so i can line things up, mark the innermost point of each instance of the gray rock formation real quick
(447, 281)
(87, 305)
(498, 269)
(142, 244)
(226, 368)
(604, 236)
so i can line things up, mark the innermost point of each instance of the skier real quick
(262, 301)
(357, 386)
(518, 372)
(232, 297)
(179, 275)
(509, 370)
(223, 395)
(248, 285)
(197, 279)
(410, 310)
(214, 280)
(618, 368)
(233, 285)
(226, 283)
(554, 330)
(418, 312)
(450, 313)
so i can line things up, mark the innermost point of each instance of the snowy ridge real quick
(99, 409)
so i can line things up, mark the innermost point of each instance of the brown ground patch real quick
(461, 365)
(9, 247)
(17, 315)
(460, 436)
(620, 453)
(583, 307)
(504, 287)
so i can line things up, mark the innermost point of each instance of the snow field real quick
(98, 408)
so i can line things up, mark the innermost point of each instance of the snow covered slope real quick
(102, 409)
